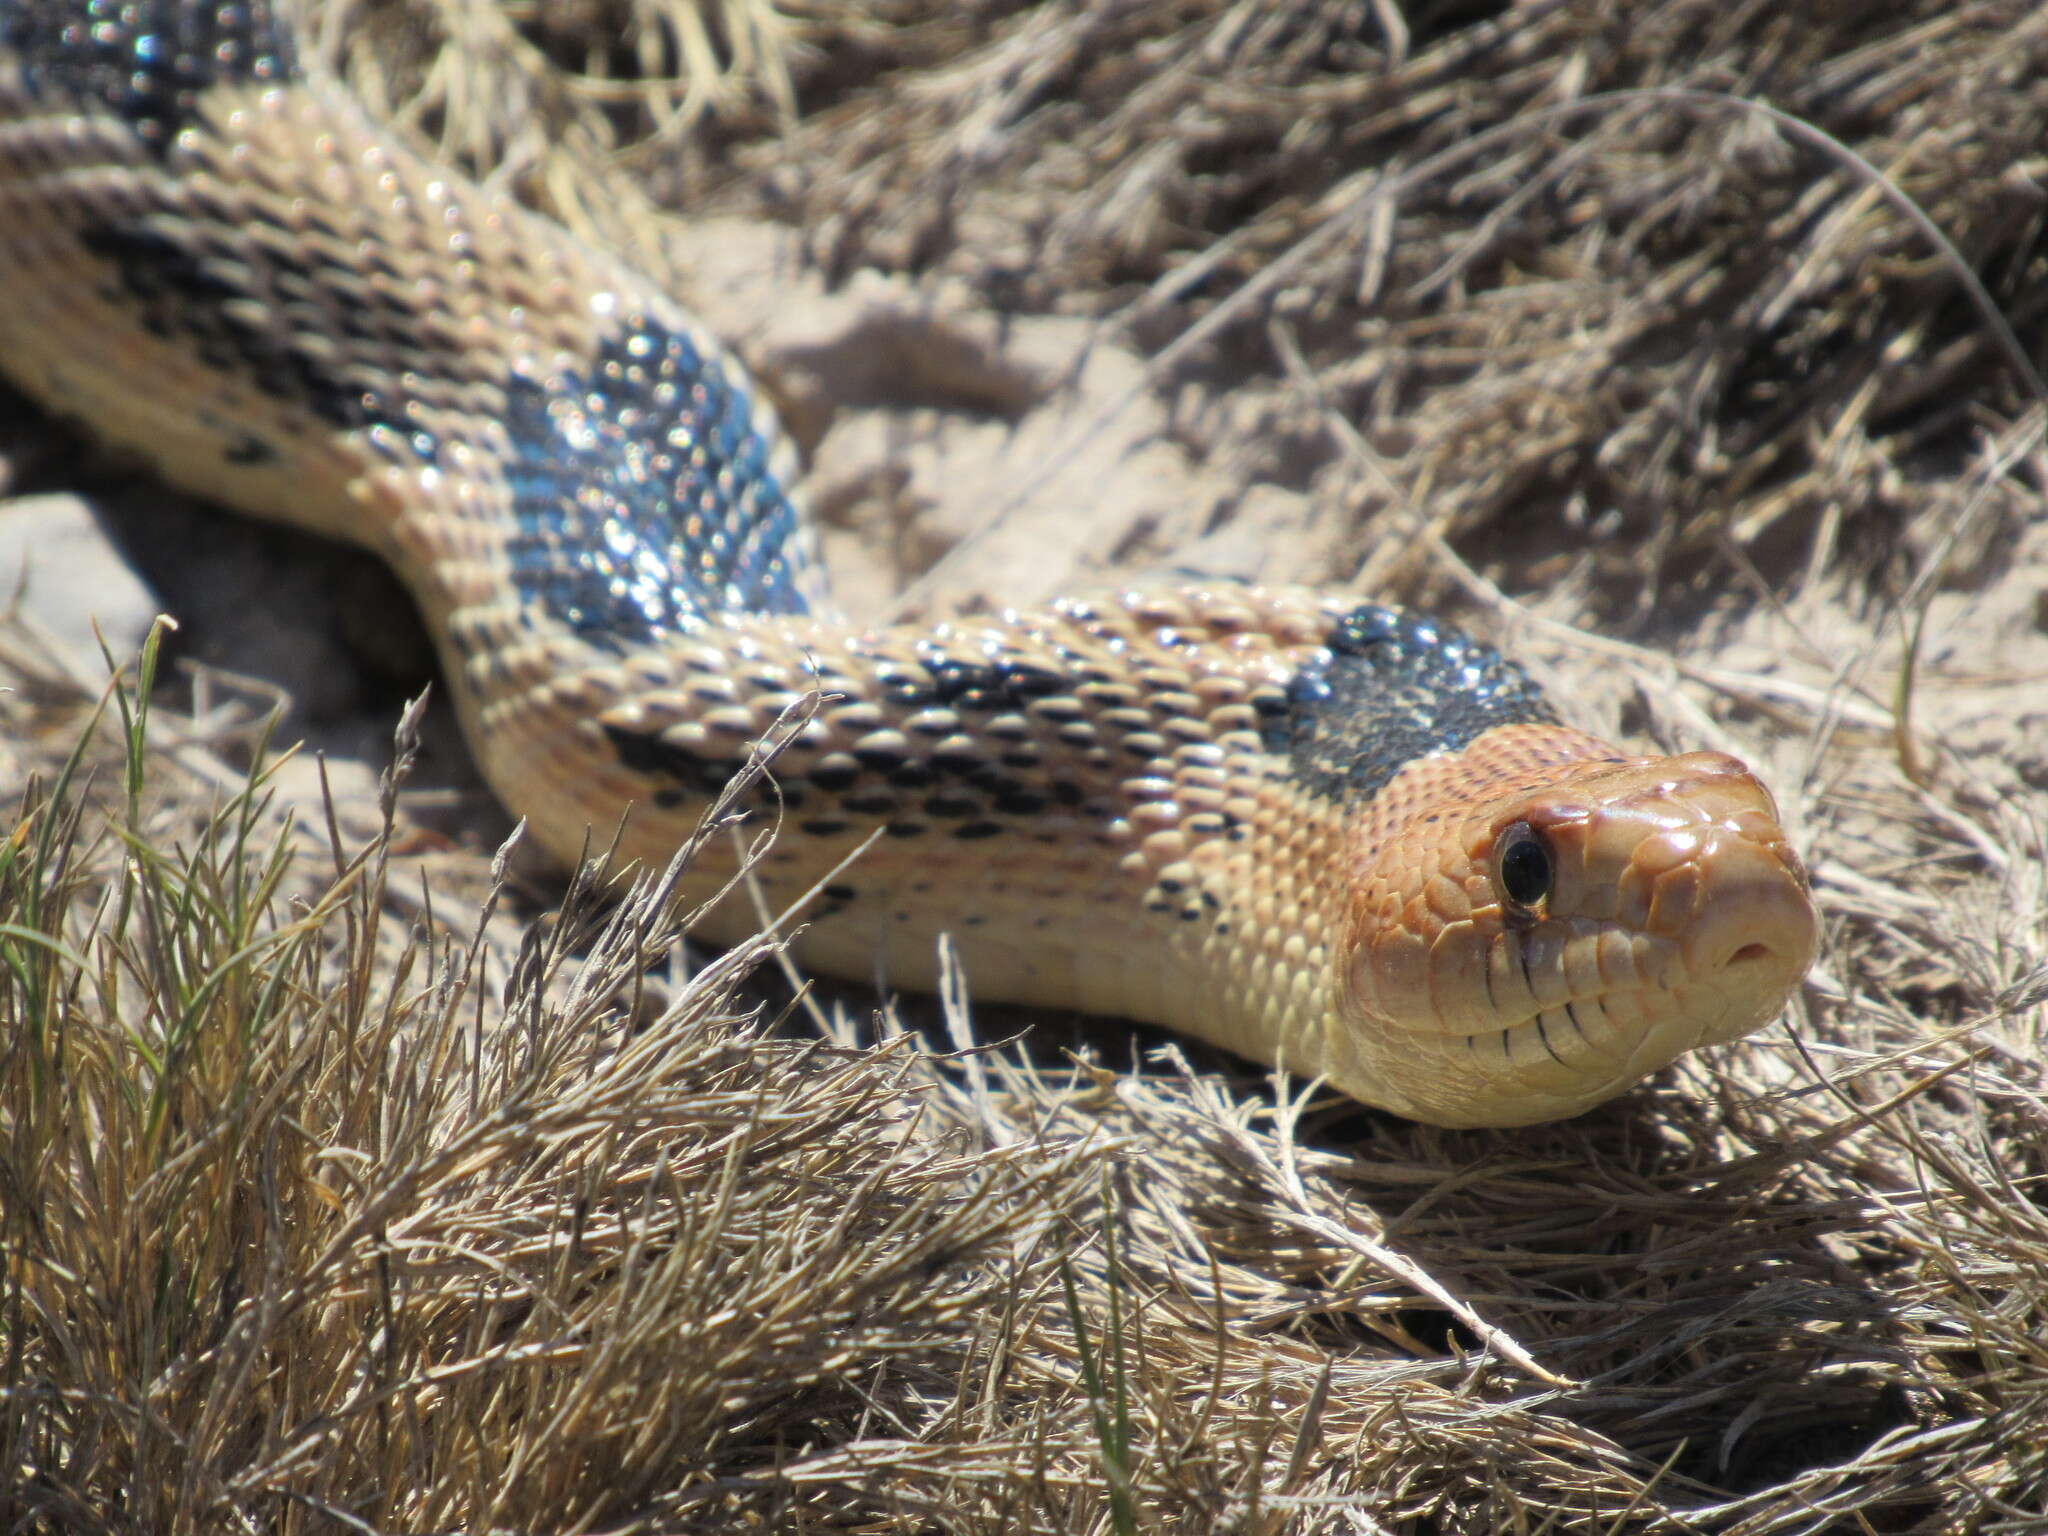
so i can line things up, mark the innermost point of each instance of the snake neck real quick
(1150, 804)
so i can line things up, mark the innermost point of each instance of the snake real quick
(1336, 836)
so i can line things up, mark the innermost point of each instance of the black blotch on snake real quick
(1390, 687)
(179, 288)
(149, 63)
(643, 500)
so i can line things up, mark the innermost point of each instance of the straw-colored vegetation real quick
(329, 1202)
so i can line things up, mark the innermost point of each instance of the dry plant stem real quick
(1351, 208)
(1285, 1174)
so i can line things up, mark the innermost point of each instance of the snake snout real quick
(1754, 931)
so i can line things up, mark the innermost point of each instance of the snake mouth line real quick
(1556, 1029)
(1627, 1032)
(1593, 1034)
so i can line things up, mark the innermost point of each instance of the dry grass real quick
(327, 1207)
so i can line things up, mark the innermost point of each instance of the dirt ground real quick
(1722, 418)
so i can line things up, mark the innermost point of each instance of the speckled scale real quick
(147, 61)
(1098, 721)
(302, 279)
(1388, 687)
(643, 501)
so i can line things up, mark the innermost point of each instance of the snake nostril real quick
(1749, 954)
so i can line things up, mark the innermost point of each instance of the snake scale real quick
(1323, 833)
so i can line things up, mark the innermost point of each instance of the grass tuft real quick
(302, 1228)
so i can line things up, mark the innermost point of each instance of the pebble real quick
(63, 573)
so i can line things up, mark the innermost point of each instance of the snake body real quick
(1319, 832)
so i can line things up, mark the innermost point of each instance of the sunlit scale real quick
(623, 545)
(147, 64)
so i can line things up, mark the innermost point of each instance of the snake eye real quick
(1521, 868)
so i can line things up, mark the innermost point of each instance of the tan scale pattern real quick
(1118, 840)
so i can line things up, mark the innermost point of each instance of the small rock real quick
(61, 571)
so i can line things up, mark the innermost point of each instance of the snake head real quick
(1543, 948)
